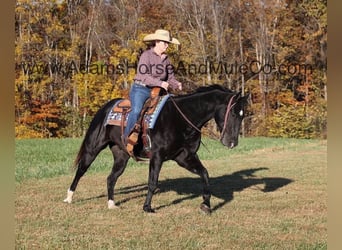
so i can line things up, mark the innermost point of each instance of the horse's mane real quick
(213, 87)
(206, 89)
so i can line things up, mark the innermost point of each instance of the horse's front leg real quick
(155, 166)
(191, 162)
(205, 206)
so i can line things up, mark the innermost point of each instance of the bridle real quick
(229, 108)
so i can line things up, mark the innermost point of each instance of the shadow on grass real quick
(125, 190)
(222, 187)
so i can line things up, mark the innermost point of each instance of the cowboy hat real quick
(162, 35)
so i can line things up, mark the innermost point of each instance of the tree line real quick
(71, 57)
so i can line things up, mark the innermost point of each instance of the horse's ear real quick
(246, 97)
(242, 98)
(238, 95)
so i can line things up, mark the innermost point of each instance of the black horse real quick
(175, 136)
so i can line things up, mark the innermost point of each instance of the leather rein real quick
(229, 108)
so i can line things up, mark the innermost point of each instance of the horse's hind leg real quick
(82, 167)
(120, 161)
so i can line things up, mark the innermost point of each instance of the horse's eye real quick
(241, 113)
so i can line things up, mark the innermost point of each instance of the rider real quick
(154, 70)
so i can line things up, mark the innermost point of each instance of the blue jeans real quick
(138, 95)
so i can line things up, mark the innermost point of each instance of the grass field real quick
(267, 194)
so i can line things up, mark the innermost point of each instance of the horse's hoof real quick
(148, 209)
(111, 205)
(205, 208)
(68, 199)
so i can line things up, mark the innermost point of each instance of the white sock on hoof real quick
(111, 204)
(69, 196)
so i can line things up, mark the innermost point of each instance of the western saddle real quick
(140, 126)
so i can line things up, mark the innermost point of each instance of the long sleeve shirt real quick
(153, 69)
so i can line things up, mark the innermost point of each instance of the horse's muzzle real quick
(229, 144)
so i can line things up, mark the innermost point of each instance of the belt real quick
(140, 83)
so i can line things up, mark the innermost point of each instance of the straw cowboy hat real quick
(162, 35)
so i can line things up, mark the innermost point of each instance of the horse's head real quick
(228, 118)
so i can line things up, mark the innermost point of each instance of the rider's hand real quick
(165, 85)
(179, 86)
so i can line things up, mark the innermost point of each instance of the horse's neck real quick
(199, 108)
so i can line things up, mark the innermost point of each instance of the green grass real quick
(46, 158)
(267, 194)
(42, 158)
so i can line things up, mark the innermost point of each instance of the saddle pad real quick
(114, 118)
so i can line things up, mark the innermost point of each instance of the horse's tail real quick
(96, 129)
(79, 155)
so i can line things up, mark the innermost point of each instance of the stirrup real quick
(147, 142)
(130, 142)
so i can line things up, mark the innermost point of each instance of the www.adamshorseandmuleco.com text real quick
(181, 68)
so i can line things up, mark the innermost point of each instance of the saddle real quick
(123, 106)
(141, 126)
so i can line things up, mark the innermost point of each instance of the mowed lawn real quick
(266, 194)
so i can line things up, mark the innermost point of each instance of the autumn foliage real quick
(71, 57)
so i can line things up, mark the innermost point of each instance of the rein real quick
(184, 116)
(188, 121)
(229, 107)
